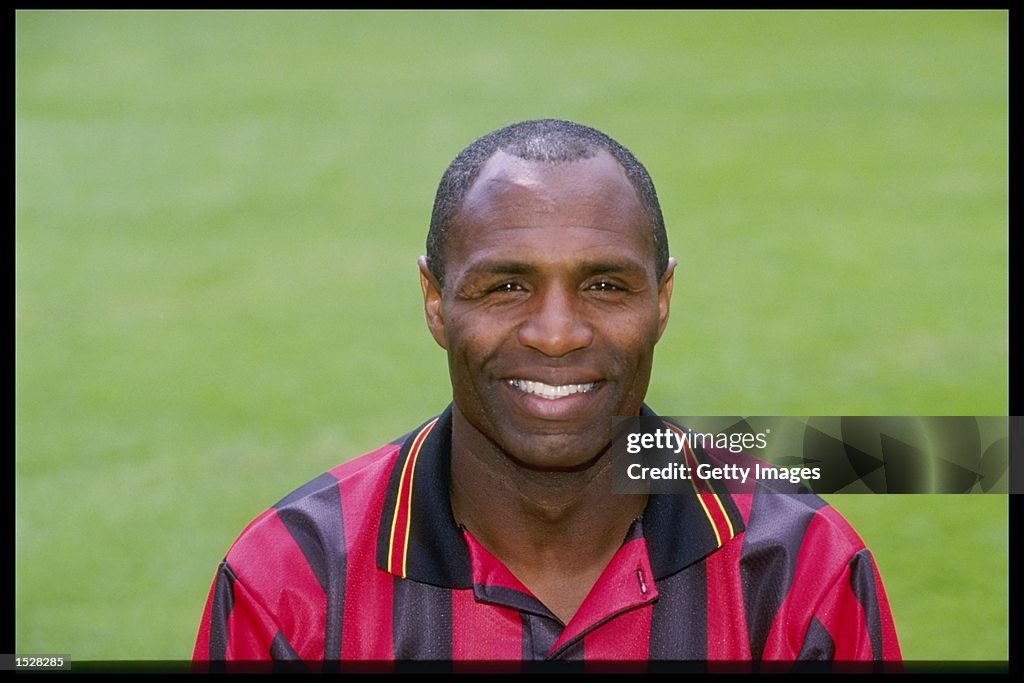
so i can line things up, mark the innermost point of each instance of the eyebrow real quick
(501, 268)
(586, 268)
(611, 267)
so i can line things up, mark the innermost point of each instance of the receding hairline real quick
(544, 142)
(488, 174)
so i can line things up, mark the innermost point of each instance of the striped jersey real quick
(365, 567)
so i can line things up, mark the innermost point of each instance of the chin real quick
(558, 453)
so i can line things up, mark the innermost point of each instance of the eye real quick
(508, 287)
(604, 286)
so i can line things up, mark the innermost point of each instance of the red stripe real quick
(626, 583)
(622, 645)
(843, 617)
(829, 541)
(743, 502)
(847, 623)
(839, 526)
(727, 620)
(487, 570)
(250, 629)
(366, 625)
(890, 642)
(201, 652)
(484, 633)
(790, 623)
(271, 565)
(852, 543)
(350, 467)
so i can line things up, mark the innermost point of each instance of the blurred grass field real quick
(218, 216)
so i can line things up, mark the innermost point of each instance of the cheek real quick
(632, 338)
(471, 344)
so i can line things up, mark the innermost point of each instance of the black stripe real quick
(223, 603)
(286, 659)
(572, 653)
(810, 500)
(281, 649)
(510, 597)
(539, 635)
(325, 479)
(771, 546)
(679, 617)
(636, 531)
(315, 522)
(403, 438)
(862, 582)
(421, 621)
(526, 638)
(818, 644)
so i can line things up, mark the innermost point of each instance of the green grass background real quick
(218, 216)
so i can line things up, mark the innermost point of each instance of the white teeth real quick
(550, 392)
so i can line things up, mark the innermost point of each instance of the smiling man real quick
(491, 533)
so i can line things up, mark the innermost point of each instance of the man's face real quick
(551, 307)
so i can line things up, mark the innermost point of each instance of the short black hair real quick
(547, 140)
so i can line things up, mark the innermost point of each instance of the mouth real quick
(549, 391)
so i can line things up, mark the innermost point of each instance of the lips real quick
(551, 392)
(568, 400)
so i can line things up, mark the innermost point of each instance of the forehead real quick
(516, 204)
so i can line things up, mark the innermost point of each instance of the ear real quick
(665, 295)
(432, 302)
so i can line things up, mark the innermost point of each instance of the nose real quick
(556, 325)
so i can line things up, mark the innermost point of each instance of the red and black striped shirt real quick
(366, 564)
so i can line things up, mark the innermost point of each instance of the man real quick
(491, 533)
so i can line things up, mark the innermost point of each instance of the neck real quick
(537, 522)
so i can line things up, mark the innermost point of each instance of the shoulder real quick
(325, 519)
(775, 514)
(796, 529)
(810, 586)
(282, 582)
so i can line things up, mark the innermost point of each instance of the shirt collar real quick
(419, 539)
(682, 528)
